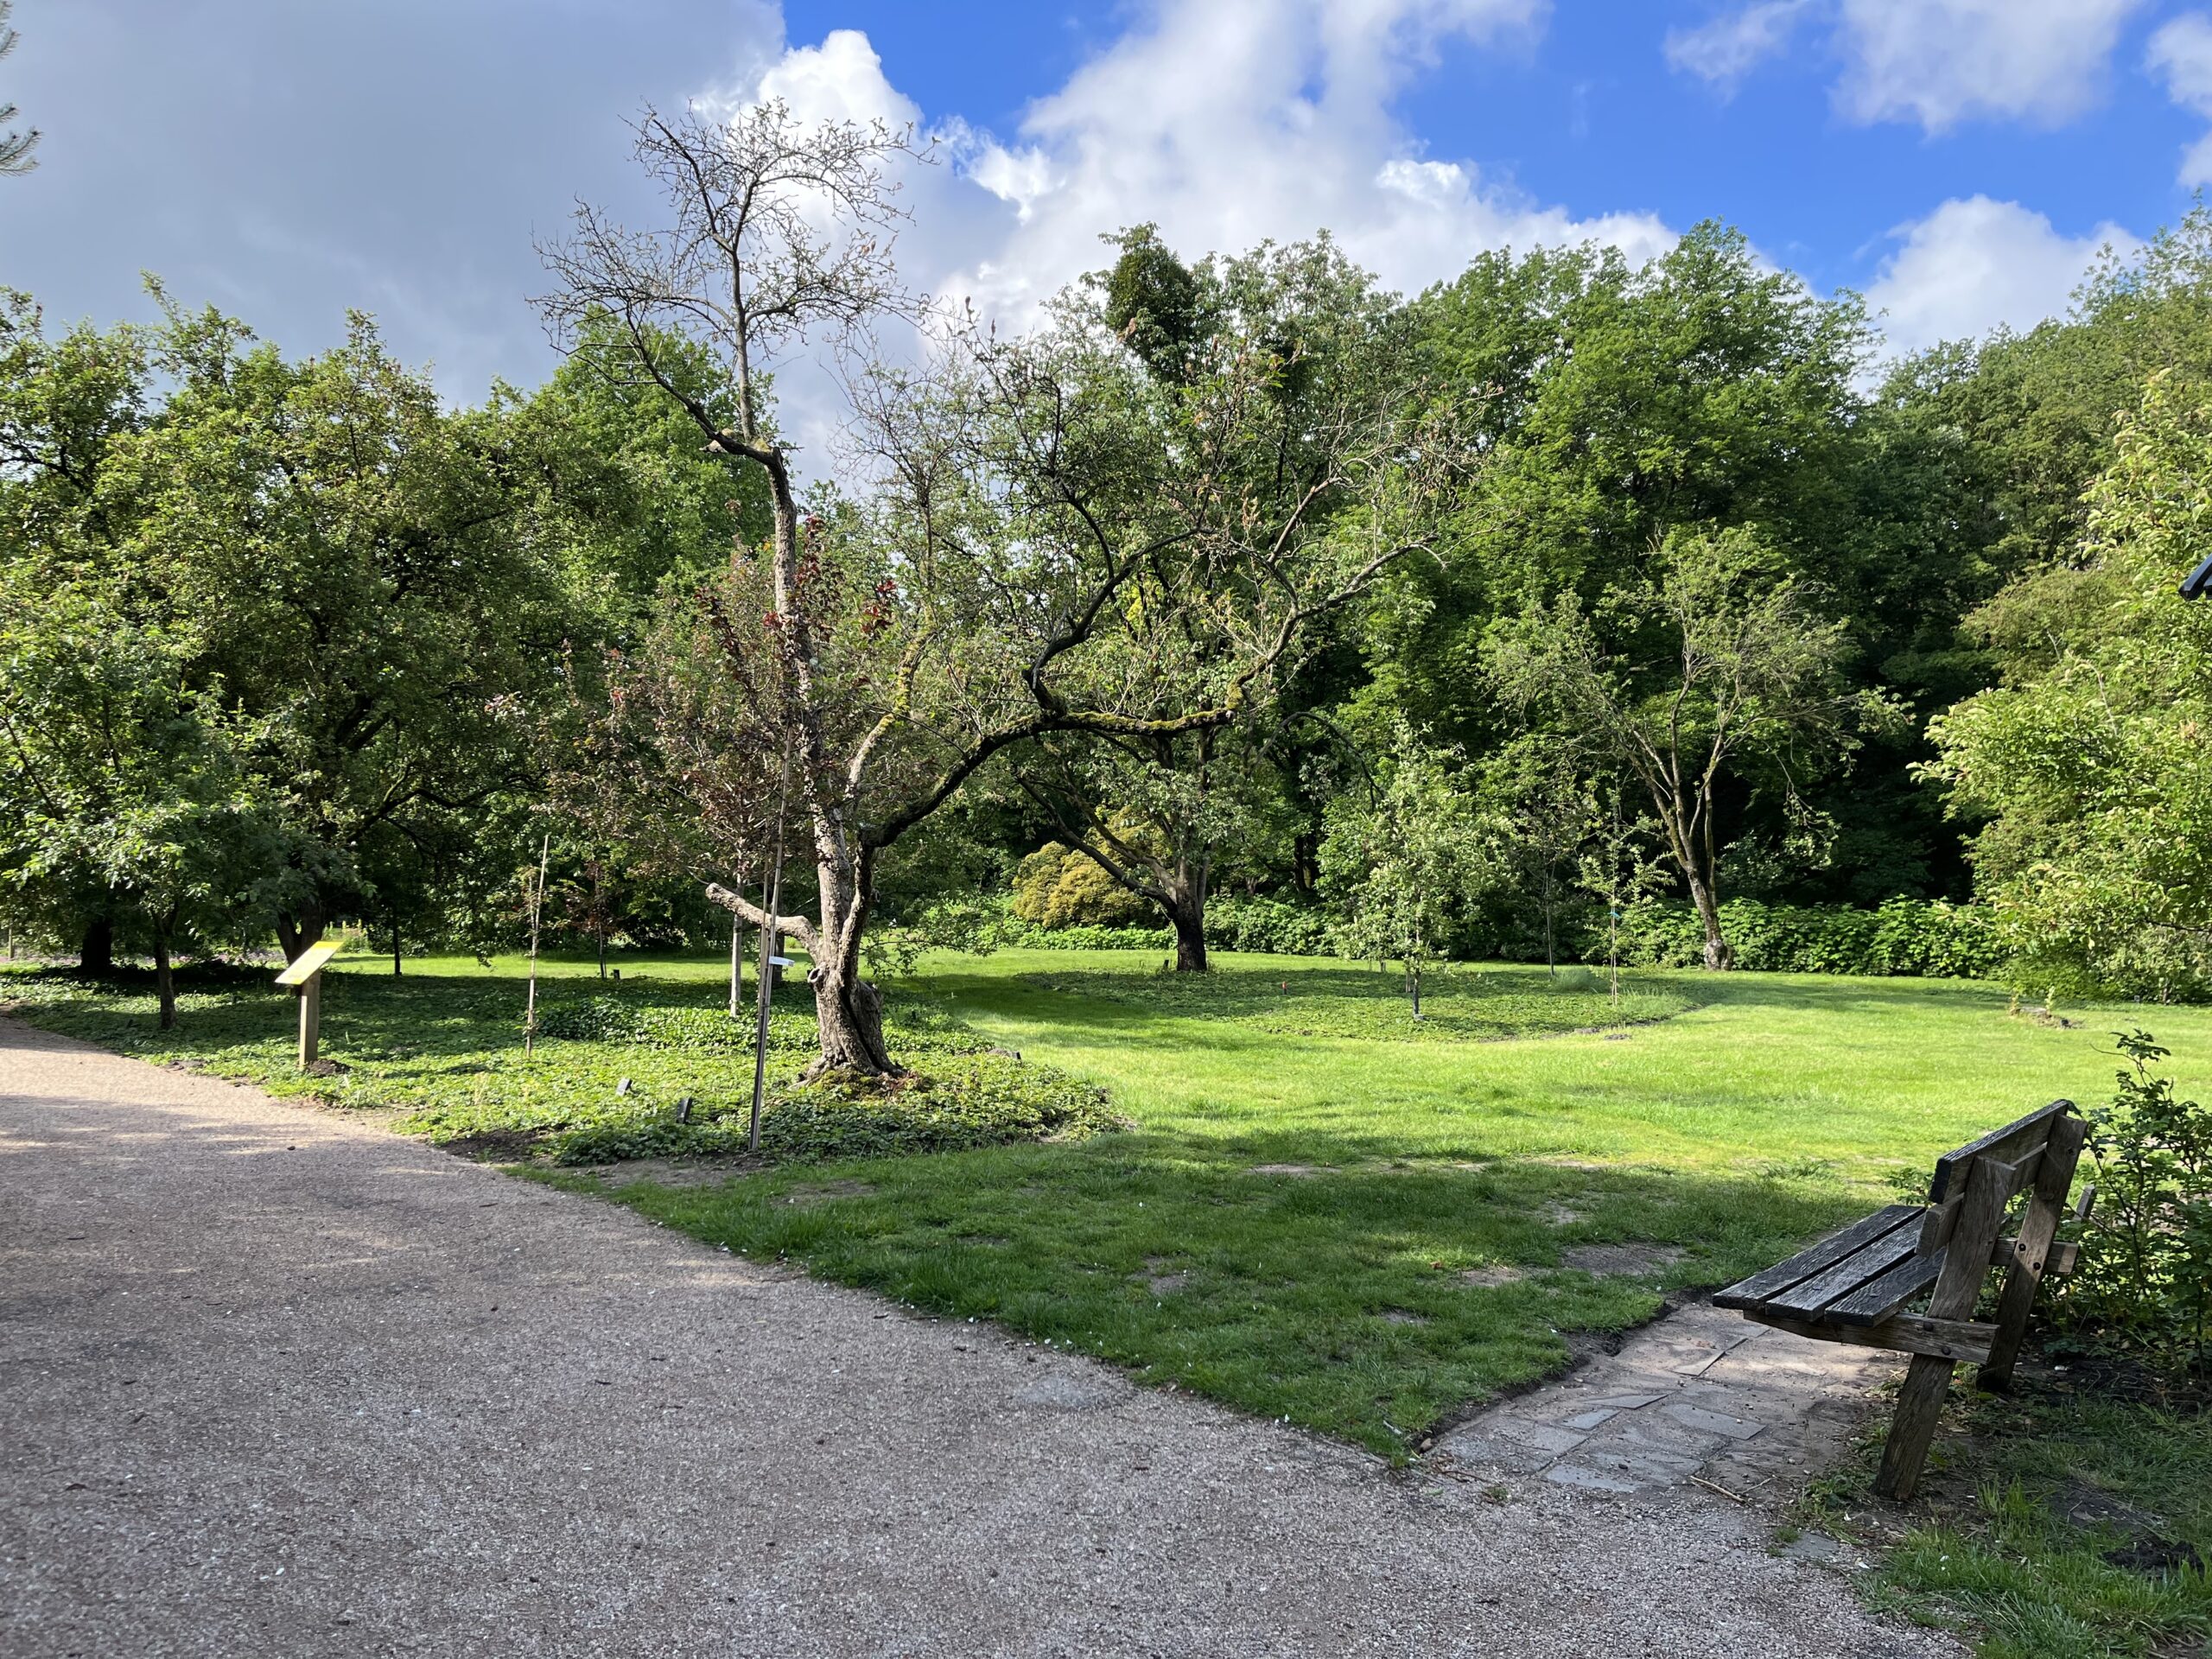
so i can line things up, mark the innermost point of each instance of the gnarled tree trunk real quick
(1185, 904)
(848, 1008)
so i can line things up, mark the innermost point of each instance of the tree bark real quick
(847, 1008)
(164, 981)
(1185, 891)
(1189, 919)
(96, 954)
(1718, 958)
(296, 933)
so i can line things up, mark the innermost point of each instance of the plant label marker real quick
(305, 972)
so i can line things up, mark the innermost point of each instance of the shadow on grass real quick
(1335, 1292)
(1331, 1289)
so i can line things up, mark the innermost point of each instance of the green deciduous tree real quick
(1727, 670)
(1020, 502)
(2090, 767)
(119, 779)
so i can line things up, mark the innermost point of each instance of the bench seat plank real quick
(1769, 1282)
(1816, 1297)
(1883, 1295)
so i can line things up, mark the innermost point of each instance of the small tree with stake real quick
(1405, 863)
(1616, 872)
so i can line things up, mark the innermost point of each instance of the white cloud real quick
(2181, 53)
(1933, 62)
(1938, 63)
(1733, 44)
(1226, 122)
(1973, 264)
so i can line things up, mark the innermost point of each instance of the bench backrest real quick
(2009, 1145)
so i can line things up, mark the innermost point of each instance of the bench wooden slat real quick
(1936, 1226)
(1764, 1285)
(1812, 1297)
(1878, 1298)
(2015, 1140)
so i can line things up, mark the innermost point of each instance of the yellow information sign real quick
(311, 963)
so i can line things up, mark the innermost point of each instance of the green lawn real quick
(1292, 1222)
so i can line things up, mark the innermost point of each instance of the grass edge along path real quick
(1364, 1236)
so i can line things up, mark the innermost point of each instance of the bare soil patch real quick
(1490, 1278)
(805, 1197)
(1621, 1261)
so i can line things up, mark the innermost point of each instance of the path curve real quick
(276, 1382)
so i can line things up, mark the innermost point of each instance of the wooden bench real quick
(1854, 1286)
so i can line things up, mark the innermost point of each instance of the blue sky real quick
(1959, 159)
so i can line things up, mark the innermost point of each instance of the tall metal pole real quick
(768, 932)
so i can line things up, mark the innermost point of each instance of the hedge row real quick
(1233, 923)
(1906, 936)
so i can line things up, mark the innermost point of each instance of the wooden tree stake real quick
(536, 906)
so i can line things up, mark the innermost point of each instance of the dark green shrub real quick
(1276, 926)
(1906, 936)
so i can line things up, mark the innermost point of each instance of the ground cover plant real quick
(441, 1051)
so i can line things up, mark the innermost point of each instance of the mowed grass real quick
(1294, 1224)
(1365, 1234)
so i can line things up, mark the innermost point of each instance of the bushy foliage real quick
(1058, 886)
(1904, 936)
(2089, 768)
(1280, 927)
(2146, 1277)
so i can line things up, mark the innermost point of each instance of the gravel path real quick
(274, 1383)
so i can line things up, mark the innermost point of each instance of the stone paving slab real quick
(1702, 1395)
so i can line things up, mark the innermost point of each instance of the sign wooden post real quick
(305, 972)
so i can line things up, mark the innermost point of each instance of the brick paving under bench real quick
(1702, 1395)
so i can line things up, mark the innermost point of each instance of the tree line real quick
(1469, 619)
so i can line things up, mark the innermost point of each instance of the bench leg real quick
(1920, 1402)
(2039, 1228)
(1965, 1264)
